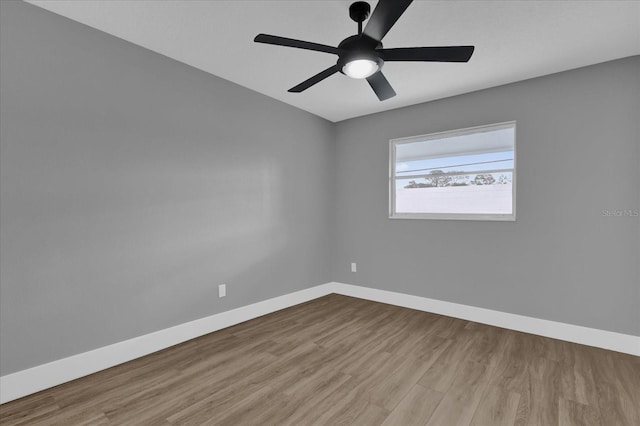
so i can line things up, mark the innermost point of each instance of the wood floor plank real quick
(498, 407)
(511, 373)
(29, 410)
(463, 397)
(247, 411)
(316, 410)
(321, 387)
(362, 362)
(183, 390)
(576, 414)
(577, 382)
(627, 382)
(340, 360)
(616, 403)
(240, 386)
(544, 385)
(415, 408)
(444, 370)
(389, 392)
(358, 402)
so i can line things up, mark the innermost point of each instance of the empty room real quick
(319, 212)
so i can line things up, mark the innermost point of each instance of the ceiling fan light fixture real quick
(360, 68)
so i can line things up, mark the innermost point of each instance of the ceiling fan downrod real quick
(359, 12)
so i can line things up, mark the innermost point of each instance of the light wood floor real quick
(344, 361)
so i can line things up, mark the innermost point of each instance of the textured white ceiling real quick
(515, 40)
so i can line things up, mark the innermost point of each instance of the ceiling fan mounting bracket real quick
(359, 11)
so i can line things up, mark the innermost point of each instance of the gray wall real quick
(132, 185)
(578, 154)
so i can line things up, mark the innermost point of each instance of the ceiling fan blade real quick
(290, 42)
(381, 86)
(314, 80)
(428, 54)
(384, 16)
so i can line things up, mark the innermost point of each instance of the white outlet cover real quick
(222, 290)
(354, 267)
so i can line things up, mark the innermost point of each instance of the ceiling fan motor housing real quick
(359, 47)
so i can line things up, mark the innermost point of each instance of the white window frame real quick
(450, 216)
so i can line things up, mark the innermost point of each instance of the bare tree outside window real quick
(462, 174)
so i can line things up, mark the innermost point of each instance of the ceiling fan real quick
(362, 56)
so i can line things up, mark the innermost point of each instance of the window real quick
(462, 174)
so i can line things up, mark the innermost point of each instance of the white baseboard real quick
(557, 330)
(25, 382)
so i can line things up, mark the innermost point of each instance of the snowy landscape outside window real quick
(465, 174)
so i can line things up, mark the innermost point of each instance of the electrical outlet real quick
(354, 267)
(222, 290)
